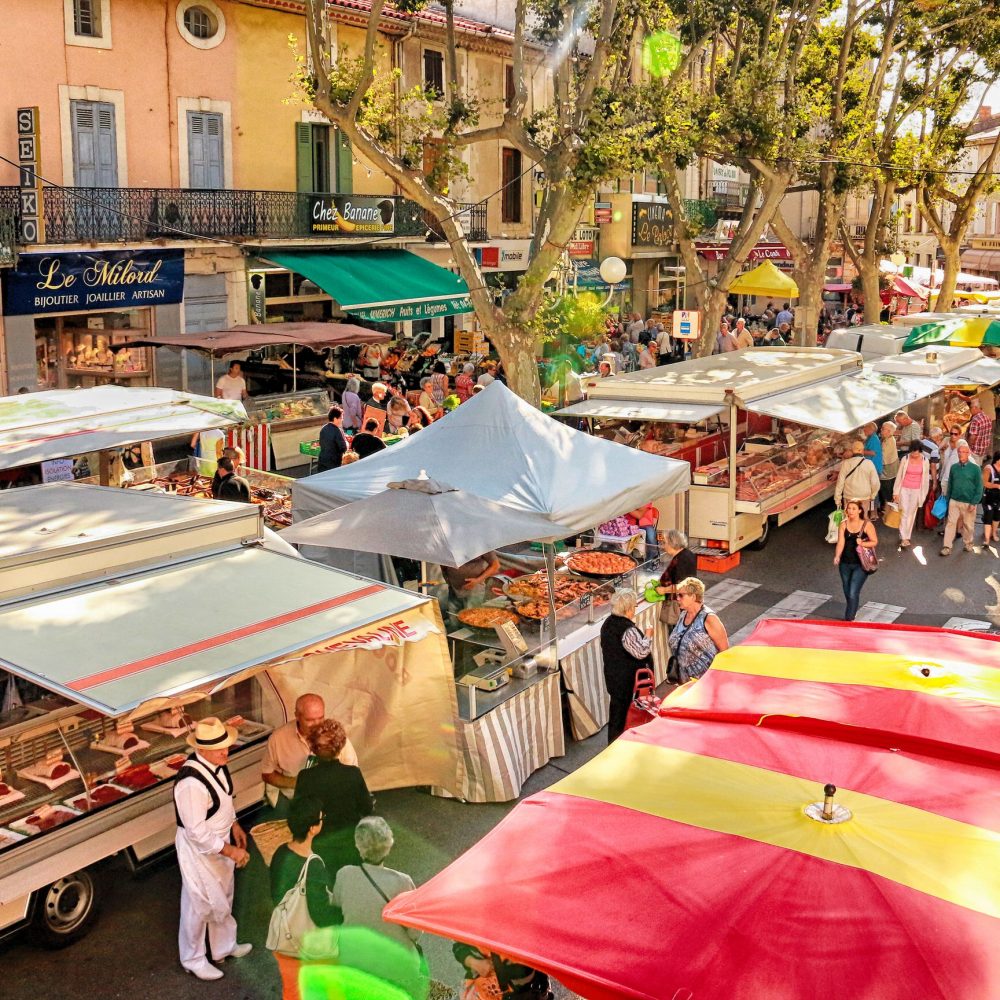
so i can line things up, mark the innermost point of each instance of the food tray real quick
(503, 615)
(163, 768)
(620, 559)
(55, 816)
(8, 838)
(79, 802)
(119, 751)
(29, 774)
(251, 730)
(11, 796)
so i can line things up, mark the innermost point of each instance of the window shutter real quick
(95, 150)
(303, 156)
(345, 164)
(196, 150)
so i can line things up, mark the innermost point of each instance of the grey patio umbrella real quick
(425, 520)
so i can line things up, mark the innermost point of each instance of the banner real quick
(392, 686)
(351, 214)
(93, 281)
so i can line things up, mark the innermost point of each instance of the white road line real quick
(967, 624)
(873, 611)
(720, 595)
(798, 604)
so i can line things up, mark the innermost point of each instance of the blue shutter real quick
(95, 150)
(205, 157)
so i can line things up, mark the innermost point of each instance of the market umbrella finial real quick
(828, 811)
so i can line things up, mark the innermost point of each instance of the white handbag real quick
(833, 529)
(292, 931)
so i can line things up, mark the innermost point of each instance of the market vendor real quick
(465, 581)
(232, 385)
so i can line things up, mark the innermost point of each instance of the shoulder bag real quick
(867, 557)
(291, 924)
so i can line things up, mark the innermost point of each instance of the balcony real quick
(728, 196)
(473, 219)
(135, 215)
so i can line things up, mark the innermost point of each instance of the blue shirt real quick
(874, 444)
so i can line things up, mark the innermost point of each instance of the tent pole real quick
(550, 569)
(295, 370)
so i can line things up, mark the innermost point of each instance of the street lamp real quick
(613, 272)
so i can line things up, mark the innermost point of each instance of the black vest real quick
(619, 664)
(192, 768)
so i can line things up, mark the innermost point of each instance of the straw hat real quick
(212, 734)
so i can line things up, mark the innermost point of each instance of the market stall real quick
(101, 687)
(532, 467)
(52, 427)
(763, 429)
(851, 812)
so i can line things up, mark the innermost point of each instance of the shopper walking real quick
(857, 477)
(890, 460)
(964, 490)
(624, 649)
(855, 530)
(210, 846)
(980, 433)
(910, 489)
(991, 500)
(699, 634)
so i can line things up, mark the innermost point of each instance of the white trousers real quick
(910, 501)
(196, 918)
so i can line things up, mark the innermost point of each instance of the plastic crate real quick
(721, 563)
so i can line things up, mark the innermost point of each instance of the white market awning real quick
(41, 426)
(985, 371)
(614, 409)
(190, 627)
(845, 402)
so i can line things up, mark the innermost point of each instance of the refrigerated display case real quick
(293, 418)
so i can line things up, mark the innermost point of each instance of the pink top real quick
(913, 476)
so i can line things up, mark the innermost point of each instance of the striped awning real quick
(193, 626)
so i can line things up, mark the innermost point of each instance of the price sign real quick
(687, 324)
(586, 601)
(513, 634)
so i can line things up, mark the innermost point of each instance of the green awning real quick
(382, 285)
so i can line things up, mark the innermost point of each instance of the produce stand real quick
(507, 680)
(764, 430)
(111, 683)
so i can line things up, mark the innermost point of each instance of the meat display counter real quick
(292, 418)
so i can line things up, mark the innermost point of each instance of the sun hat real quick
(212, 734)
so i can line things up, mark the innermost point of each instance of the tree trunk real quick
(516, 348)
(713, 308)
(952, 264)
(811, 300)
(870, 288)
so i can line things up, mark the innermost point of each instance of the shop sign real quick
(602, 213)
(581, 248)
(58, 470)
(725, 172)
(687, 324)
(28, 155)
(351, 215)
(652, 224)
(401, 312)
(93, 281)
(383, 636)
(773, 251)
(507, 255)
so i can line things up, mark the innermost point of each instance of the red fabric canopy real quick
(680, 863)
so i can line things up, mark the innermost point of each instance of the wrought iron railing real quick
(473, 219)
(112, 215)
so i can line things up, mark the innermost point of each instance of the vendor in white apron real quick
(206, 822)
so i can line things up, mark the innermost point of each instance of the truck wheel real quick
(65, 911)
(765, 536)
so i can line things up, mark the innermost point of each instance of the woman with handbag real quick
(698, 637)
(683, 563)
(624, 649)
(300, 891)
(489, 976)
(387, 951)
(856, 533)
(910, 489)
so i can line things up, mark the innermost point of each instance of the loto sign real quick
(687, 324)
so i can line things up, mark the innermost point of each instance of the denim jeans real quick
(853, 577)
(652, 548)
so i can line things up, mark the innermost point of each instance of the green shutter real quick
(303, 157)
(345, 165)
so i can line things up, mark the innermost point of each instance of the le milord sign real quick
(652, 224)
(94, 281)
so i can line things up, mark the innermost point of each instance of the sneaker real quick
(945, 552)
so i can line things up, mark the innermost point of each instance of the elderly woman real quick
(624, 649)
(465, 381)
(890, 460)
(427, 401)
(698, 635)
(341, 790)
(350, 403)
(397, 414)
(362, 891)
(683, 563)
(305, 820)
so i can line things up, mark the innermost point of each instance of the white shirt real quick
(206, 836)
(287, 752)
(485, 379)
(231, 388)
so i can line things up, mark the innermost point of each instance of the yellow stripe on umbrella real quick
(977, 331)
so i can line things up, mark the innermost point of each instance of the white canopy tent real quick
(500, 448)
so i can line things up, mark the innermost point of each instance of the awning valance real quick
(982, 260)
(382, 285)
(614, 409)
(108, 645)
(845, 402)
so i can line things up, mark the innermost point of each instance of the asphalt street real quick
(132, 951)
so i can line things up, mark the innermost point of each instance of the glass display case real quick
(766, 475)
(283, 409)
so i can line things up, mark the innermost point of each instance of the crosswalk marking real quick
(796, 605)
(967, 624)
(873, 611)
(720, 595)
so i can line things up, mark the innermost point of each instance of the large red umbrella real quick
(686, 861)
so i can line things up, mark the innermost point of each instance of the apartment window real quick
(87, 18)
(509, 88)
(200, 22)
(510, 206)
(205, 150)
(324, 159)
(433, 72)
(95, 146)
